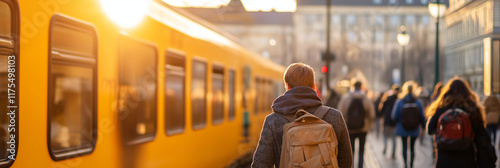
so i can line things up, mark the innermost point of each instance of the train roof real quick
(198, 28)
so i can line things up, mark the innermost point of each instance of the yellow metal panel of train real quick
(108, 83)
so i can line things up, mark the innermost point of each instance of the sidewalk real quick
(375, 159)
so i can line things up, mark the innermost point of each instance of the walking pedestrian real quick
(409, 115)
(492, 108)
(359, 113)
(458, 107)
(437, 91)
(334, 98)
(389, 125)
(300, 94)
(378, 113)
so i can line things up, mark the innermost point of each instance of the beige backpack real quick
(309, 142)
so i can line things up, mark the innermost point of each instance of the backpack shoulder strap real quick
(321, 111)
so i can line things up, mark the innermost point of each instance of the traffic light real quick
(324, 69)
(323, 56)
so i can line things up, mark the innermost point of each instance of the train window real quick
(5, 20)
(217, 94)
(72, 107)
(9, 73)
(199, 94)
(270, 94)
(174, 92)
(257, 95)
(263, 96)
(137, 89)
(231, 94)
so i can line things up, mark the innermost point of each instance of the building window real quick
(199, 94)
(424, 1)
(409, 1)
(72, 94)
(9, 86)
(319, 17)
(394, 20)
(175, 70)
(410, 19)
(137, 89)
(351, 20)
(217, 94)
(377, 1)
(309, 19)
(379, 36)
(231, 88)
(321, 35)
(380, 20)
(335, 20)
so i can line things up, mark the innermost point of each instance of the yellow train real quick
(115, 83)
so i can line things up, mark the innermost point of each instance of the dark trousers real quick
(492, 132)
(405, 150)
(361, 152)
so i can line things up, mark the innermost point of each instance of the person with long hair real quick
(437, 91)
(492, 109)
(457, 94)
(409, 117)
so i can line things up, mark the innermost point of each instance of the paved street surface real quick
(375, 159)
(423, 156)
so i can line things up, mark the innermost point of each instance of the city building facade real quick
(363, 36)
(472, 48)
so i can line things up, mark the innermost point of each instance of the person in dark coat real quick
(334, 98)
(300, 94)
(458, 94)
(387, 104)
(378, 113)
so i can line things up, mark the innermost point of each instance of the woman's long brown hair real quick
(457, 92)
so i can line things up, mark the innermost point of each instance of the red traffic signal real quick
(324, 69)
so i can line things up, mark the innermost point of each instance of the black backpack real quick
(356, 114)
(410, 116)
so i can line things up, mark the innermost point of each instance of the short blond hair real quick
(299, 74)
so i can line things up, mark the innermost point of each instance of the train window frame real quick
(134, 140)
(231, 91)
(256, 97)
(69, 59)
(9, 46)
(181, 71)
(218, 71)
(199, 126)
(263, 95)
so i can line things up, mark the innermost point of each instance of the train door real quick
(9, 83)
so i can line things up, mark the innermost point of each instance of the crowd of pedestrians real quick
(463, 127)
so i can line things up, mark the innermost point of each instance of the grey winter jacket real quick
(268, 151)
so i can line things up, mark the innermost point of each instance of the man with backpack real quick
(360, 113)
(387, 104)
(301, 132)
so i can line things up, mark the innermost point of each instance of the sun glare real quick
(125, 13)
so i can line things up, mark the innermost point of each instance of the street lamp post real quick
(327, 54)
(403, 40)
(437, 10)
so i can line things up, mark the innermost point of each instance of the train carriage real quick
(126, 84)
